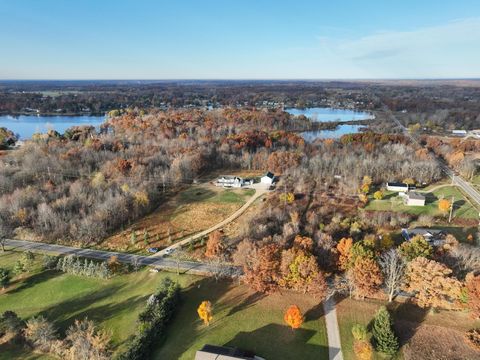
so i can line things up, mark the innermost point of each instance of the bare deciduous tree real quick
(393, 268)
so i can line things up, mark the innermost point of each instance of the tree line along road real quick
(190, 267)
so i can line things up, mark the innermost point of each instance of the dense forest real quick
(84, 184)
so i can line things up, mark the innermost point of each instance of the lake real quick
(27, 125)
(331, 115)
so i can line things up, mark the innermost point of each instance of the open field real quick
(414, 326)
(241, 318)
(114, 304)
(463, 209)
(246, 320)
(188, 212)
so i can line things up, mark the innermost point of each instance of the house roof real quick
(397, 184)
(219, 351)
(415, 196)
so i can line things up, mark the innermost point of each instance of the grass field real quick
(246, 320)
(462, 207)
(418, 329)
(241, 317)
(62, 298)
(190, 211)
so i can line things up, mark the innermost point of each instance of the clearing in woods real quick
(188, 212)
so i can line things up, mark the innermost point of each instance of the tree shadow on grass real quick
(407, 320)
(64, 313)
(33, 280)
(246, 303)
(315, 312)
(292, 344)
(185, 326)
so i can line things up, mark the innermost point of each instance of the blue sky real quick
(239, 39)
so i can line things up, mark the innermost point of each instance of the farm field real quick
(188, 212)
(418, 329)
(463, 209)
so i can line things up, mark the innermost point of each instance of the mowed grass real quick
(114, 304)
(247, 320)
(462, 207)
(408, 321)
(351, 312)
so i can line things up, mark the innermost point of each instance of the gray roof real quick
(415, 196)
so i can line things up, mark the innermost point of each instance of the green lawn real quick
(462, 207)
(62, 298)
(230, 196)
(241, 318)
(351, 312)
(245, 320)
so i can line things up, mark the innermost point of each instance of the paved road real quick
(158, 262)
(333, 333)
(456, 179)
(260, 189)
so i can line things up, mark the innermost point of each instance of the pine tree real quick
(384, 337)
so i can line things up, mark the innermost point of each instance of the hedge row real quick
(152, 322)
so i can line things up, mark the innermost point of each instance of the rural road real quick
(456, 179)
(260, 189)
(158, 262)
(333, 333)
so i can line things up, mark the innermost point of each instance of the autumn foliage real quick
(344, 248)
(367, 277)
(205, 312)
(473, 290)
(444, 205)
(432, 284)
(293, 317)
(214, 244)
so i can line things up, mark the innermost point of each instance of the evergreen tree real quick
(384, 337)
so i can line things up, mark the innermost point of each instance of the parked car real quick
(152, 250)
(169, 251)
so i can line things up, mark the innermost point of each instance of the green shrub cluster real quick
(153, 321)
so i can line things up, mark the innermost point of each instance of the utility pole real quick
(451, 209)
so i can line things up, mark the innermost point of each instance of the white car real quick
(169, 251)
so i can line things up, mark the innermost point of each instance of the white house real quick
(459, 132)
(398, 187)
(414, 199)
(267, 178)
(229, 181)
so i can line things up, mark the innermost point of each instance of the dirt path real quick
(259, 191)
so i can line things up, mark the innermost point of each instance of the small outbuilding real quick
(268, 178)
(414, 199)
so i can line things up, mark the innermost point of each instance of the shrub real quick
(152, 322)
(359, 332)
(473, 338)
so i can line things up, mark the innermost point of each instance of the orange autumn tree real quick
(293, 317)
(444, 205)
(432, 284)
(205, 312)
(214, 244)
(344, 248)
(367, 277)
